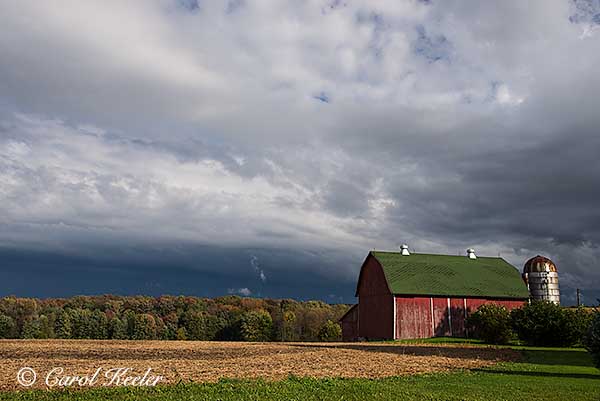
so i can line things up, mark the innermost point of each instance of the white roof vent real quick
(404, 250)
(471, 253)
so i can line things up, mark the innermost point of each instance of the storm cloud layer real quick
(262, 148)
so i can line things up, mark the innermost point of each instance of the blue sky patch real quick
(323, 97)
(431, 47)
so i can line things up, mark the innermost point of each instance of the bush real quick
(491, 323)
(577, 323)
(330, 332)
(544, 323)
(592, 339)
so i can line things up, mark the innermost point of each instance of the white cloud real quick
(241, 291)
(155, 124)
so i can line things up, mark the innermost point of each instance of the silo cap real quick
(471, 253)
(539, 264)
(404, 250)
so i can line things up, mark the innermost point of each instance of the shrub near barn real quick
(540, 323)
(592, 339)
(491, 323)
(544, 323)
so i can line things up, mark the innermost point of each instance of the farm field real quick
(190, 361)
(310, 371)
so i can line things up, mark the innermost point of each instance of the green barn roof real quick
(425, 274)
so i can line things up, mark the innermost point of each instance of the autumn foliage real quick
(169, 318)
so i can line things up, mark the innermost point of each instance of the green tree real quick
(31, 329)
(62, 325)
(7, 326)
(129, 320)
(27, 309)
(81, 322)
(98, 325)
(310, 319)
(162, 332)
(117, 329)
(46, 327)
(144, 327)
(330, 331)
(195, 325)
(491, 323)
(577, 321)
(256, 326)
(214, 325)
(287, 328)
(231, 331)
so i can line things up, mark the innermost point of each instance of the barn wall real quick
(350, 325)
(375, 303)
(457, 316)
(414, 315)
(441, 323)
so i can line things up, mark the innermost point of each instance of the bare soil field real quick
(209, 361)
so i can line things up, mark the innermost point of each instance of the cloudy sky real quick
(264, 147)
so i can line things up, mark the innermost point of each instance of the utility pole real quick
(578, 297)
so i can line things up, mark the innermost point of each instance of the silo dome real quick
(541, 276)
(539, 264)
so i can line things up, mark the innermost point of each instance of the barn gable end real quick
(375, 302)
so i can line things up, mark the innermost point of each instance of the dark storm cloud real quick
(150, 154)
(172, 269)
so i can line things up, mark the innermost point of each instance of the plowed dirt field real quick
(209, 361)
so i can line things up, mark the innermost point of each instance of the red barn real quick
(402, 295)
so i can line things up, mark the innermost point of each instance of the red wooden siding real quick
(441, 323)
(457, 316)
(414, 318)
(350, 324)
(411, 312)
(375, 303)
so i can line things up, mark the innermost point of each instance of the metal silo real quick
(541, 277)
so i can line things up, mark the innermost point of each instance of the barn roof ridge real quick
(449, 275)
(434, 254)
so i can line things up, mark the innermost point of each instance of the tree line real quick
(229, 318)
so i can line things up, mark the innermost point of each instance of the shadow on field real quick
(490, 354)
(540, 374)
(575, 357)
